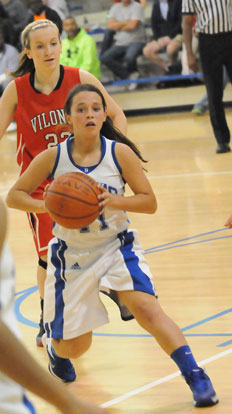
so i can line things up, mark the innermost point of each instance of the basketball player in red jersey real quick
(35, 99)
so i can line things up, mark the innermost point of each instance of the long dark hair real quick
(108, 129)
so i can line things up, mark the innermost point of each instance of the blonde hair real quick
(25, 64)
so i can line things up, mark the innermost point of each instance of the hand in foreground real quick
(228, 222)
(85, 407)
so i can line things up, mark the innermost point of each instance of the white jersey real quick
(107, 173)
(12, 396)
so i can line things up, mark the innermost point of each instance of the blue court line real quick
(186, 238)
(226, 343)
(22, 295)
(25, 321)
(186, 244)
(18, 302)
(210, 318)
(165, 78)
(150, 336)
(26, 290)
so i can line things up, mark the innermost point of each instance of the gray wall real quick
(91, 6)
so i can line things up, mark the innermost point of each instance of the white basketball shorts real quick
(72, 304)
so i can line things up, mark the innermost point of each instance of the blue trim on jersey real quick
(58, 262)
(87, 169)
(56, 161)
(141, 281)
(28, 404)
(114, 157)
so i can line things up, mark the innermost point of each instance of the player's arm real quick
(37, 172)
(143, 200)
(113, 110)
(3, 225)
(8, 105)
(129, 25)
(114, 24)
(17, 363)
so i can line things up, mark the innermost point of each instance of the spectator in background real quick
(9, 59)
(109, 34)
(19, 18)
(127, 20)
(79, 48)
(6, 22)
(60, 6)
(39, 10)
(166, 26)
(142, 2)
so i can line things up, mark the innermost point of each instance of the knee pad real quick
(42, 263)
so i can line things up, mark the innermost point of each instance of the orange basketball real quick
(72, 201)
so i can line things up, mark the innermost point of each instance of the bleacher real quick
(88, 15)
(95, 23)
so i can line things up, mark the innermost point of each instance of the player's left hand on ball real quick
(105, 198)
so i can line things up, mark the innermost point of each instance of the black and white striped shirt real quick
(213, 16)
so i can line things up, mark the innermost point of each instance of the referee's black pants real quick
(215, 51)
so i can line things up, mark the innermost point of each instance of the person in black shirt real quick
(214, 22)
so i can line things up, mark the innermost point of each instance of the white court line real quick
(161, 380)
(200, 174)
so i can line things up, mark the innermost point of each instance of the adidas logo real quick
(75, 266)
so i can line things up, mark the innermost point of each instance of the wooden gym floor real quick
(189, 252)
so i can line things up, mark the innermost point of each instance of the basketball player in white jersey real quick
(105, 255)
(18, 370)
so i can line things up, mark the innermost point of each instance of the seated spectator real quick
(79, 48)
(6, 22)
(60, 6)
(39, 10)
(109, 34)
(166, 26)
(19, 16)
(127, 20)
(9, 59)
(142, 2)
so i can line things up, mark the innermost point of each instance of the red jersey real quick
(39, 116)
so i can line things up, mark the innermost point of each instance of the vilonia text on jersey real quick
(46, 119)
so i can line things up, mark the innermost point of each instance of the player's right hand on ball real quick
(45, 191)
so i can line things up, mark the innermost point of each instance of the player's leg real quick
(60, 350)
(72, 348)
(132, 269)
(41, 276)
(151, 51)
(41, 226)
(173, 48)
(125, 313)
(72, 306)
(149, 314)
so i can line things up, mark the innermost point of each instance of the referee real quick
(214, 22)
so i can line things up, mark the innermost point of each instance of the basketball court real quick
(188, 250)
